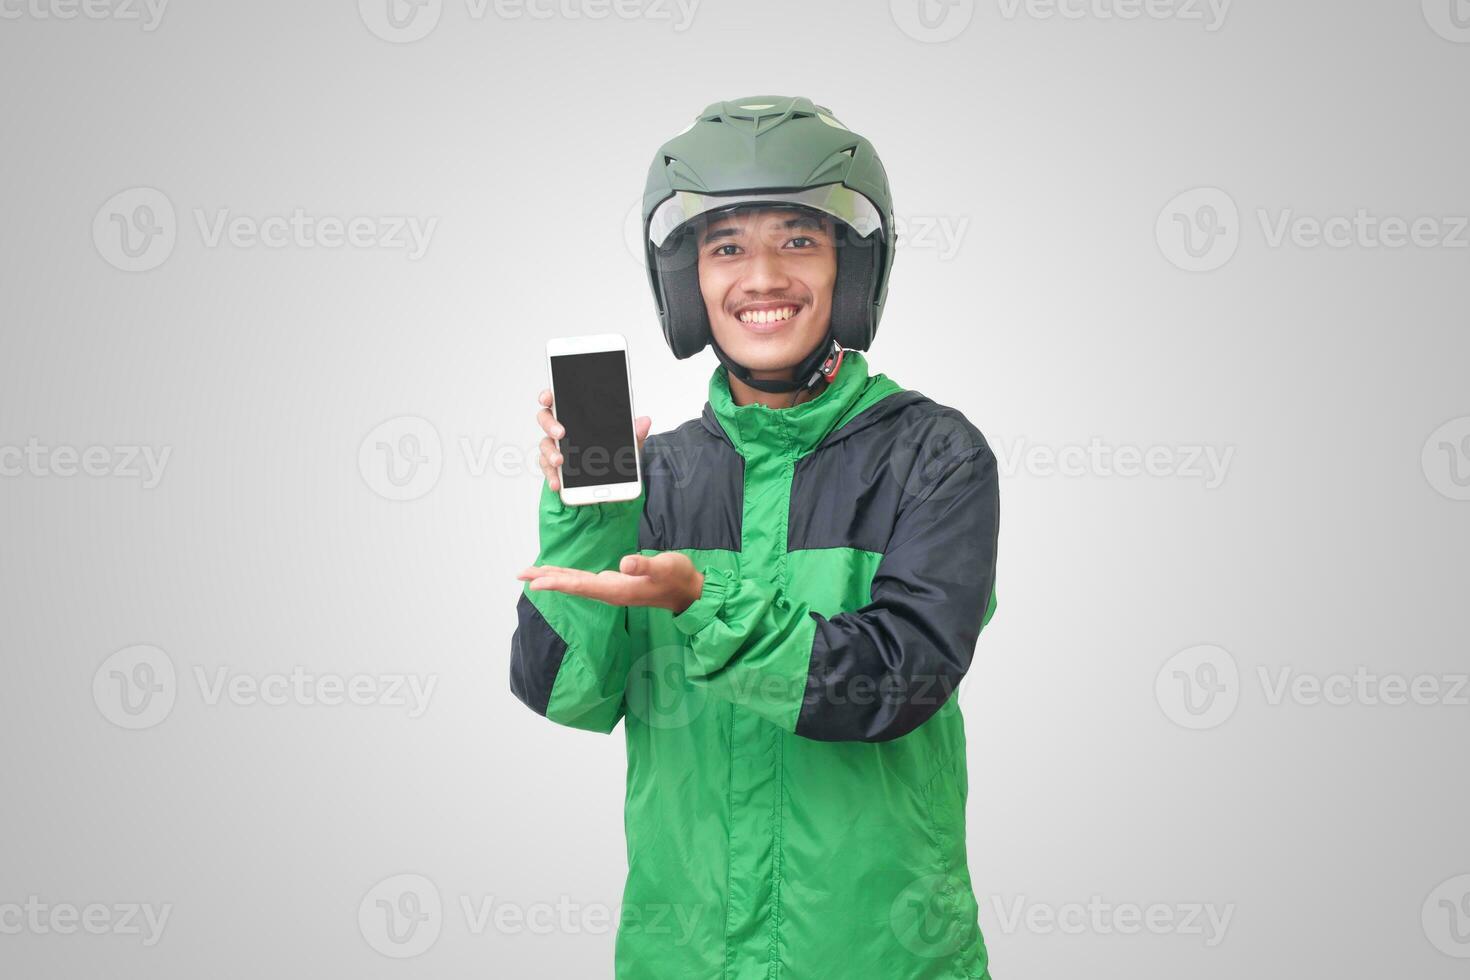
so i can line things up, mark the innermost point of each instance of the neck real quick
(743, 394)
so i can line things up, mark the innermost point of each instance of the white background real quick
(1052, 150)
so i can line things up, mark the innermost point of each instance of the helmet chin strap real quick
(818, 366)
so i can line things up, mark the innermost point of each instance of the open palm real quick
(664, 581)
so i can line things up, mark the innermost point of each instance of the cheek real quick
(824, 283)
(821, 288)
(713, 288)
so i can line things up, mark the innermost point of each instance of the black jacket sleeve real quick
(883, 670)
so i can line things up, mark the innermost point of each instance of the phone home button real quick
(601, 492)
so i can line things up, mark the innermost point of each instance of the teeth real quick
(768, 316)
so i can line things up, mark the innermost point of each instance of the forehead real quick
(738, 222)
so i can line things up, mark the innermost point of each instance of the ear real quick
(686, 325)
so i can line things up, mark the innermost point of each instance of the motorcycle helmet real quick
(769, 151)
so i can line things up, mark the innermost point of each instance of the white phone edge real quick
(604, 493)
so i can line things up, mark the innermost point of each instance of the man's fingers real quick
(550, 459)
(634, 565)
(614, 588)
(549, 424)
(549, 454)
(556, 582)
(536, 571)
(572, 581)
(641, 425)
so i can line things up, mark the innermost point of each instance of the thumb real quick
(634, 565)
(641, 425)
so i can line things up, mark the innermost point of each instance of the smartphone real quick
(592, 398)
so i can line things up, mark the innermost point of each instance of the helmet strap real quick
(822, 364)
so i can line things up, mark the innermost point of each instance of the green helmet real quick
(768, 150)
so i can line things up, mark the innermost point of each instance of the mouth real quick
(767, 317)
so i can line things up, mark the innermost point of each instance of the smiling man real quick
(766, 278)
(782, 618)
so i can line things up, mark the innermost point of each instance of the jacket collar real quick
(757, 430)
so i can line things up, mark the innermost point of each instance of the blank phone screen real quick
(592, 405)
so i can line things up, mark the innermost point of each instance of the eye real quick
(720, 250)
(809, 241)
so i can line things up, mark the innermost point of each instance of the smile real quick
(775, 315)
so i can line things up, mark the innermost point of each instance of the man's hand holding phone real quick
(598, 460)
(551, 458)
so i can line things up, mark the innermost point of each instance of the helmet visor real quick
(837, 200)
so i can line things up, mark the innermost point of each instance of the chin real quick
(774, 353)
(765, 360)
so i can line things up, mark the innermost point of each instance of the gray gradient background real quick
(1056, 142)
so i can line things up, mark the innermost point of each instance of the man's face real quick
(766, 276)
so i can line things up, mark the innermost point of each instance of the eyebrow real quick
(805, 221)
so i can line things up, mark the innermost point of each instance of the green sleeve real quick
(570, 655)
(749, 645)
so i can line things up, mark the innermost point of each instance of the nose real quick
(765, 272)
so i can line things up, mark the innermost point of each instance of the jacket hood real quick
(755, 429)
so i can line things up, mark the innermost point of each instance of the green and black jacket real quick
(796, 760)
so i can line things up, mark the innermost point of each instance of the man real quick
(782, 617)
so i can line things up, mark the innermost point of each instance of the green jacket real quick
(796, 763)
